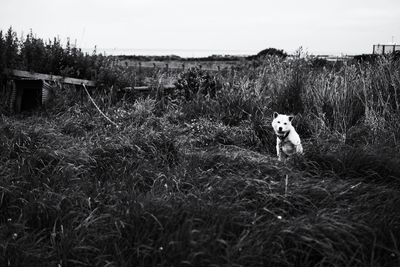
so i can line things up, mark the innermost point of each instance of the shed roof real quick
(48, 77)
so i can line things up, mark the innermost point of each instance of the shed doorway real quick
(29, 94)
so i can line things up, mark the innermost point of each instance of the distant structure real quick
(27, 91)
(334, 58)
(384, 49)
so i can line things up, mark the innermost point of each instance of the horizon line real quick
(206, 52)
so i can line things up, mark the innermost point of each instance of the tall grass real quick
(195, 181)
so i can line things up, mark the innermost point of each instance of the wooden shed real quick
(28, 94)
(26, 91)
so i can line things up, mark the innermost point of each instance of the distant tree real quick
(268, 52)
(57, 56)
(33, 54)
(11, 48)
(272, 52)
(2, 53)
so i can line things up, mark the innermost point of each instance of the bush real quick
(194, 82)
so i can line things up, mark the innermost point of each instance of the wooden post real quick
(80, 88)
(183, 67)
(139, 74)
(166, 67)
(219, 68)
(18, 99)
(232, 75)
(13, 98)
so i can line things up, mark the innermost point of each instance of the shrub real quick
(196, 81)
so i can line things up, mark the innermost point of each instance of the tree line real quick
(47, 56)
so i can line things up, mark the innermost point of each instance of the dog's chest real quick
(288, 147)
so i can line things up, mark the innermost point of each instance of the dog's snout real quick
(280, 129)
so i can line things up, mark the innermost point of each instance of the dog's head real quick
(282, 123)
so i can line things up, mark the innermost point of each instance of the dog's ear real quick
(275, 114)
(290, 118)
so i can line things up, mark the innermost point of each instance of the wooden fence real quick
(385, 49)
(178, 65)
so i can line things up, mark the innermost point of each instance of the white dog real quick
(287, 139)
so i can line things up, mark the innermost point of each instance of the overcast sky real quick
(234, 26)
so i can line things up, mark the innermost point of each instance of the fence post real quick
(232, 75)
(13, 97)
(81, 89)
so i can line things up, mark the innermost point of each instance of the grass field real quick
(193, 179)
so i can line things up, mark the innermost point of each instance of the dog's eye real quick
(285, 123)
(279, 122)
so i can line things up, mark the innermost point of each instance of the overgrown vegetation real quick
(52, 57)
(194, 181)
